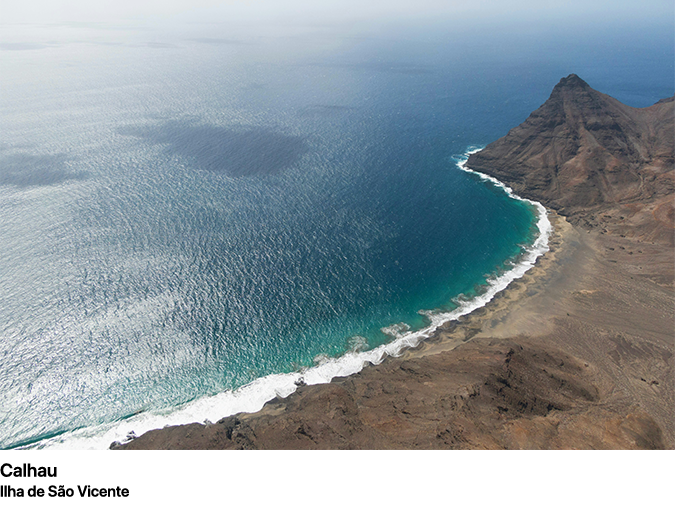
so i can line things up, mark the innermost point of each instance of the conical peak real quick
(571, 82)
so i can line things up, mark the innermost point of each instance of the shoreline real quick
(445, 337)
(484, 321)
(608, 369)
(253, 397)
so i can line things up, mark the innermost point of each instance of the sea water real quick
(192, 222)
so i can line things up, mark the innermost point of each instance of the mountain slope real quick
(593, 159)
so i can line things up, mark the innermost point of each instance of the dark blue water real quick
(182, 214)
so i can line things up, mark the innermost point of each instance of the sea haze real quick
(187, 211)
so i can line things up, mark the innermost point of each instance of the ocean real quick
(195, 219)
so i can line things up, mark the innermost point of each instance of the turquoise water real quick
(182, 216)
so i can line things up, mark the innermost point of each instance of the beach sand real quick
(577, 354)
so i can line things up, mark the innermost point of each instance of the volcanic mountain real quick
(593, 159)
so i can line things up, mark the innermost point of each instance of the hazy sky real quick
(12, 11)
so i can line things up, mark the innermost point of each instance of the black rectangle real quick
(62, 479)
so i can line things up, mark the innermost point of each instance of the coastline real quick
(575, 353)
(253, 397)
(546, 364)
(499, 316)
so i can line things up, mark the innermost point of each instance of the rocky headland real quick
(577, 354)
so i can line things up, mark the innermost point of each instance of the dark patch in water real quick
(25, 170)
(239, 153)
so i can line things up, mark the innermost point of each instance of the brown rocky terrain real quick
(577, 354)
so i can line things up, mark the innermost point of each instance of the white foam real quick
(252, 397)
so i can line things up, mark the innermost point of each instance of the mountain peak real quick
(583, 150)
(571, 82)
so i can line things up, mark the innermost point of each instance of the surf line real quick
(253, 396)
